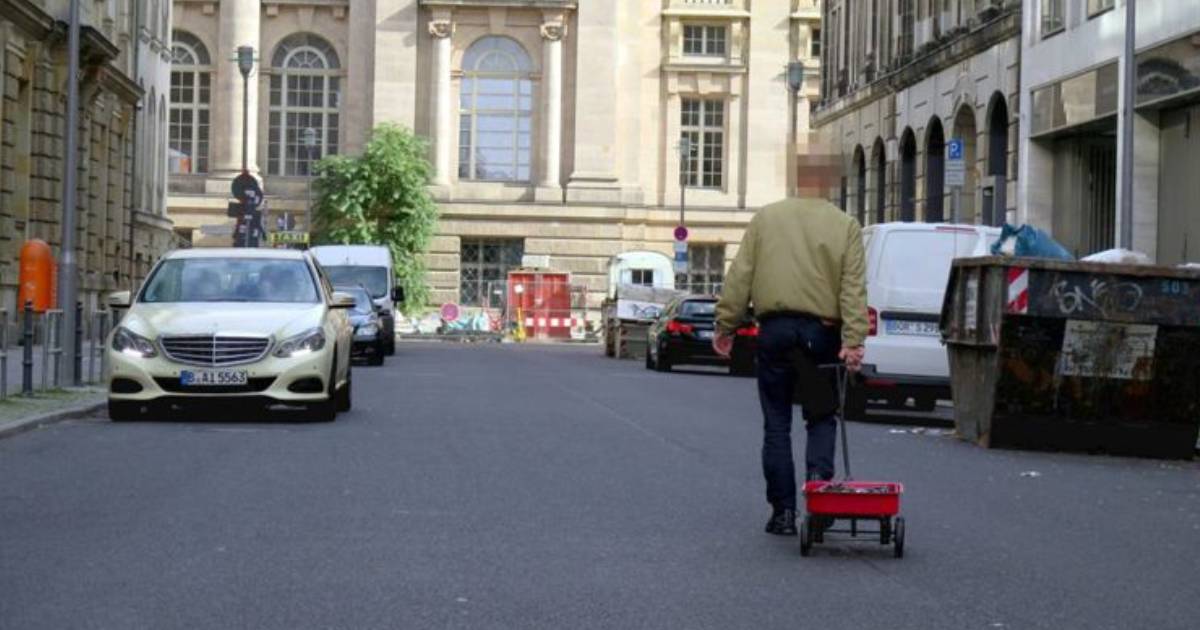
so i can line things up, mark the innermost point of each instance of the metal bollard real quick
(27, 353)
(3, 354)
(77, 378)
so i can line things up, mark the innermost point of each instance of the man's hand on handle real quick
(722, 344)
(852, 357)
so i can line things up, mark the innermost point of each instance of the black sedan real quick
(369, 335)
(683, 333)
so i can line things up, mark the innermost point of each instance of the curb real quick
(41, 420)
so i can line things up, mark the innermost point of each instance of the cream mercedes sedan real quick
(244, 326)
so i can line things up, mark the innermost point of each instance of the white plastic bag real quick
(1119, 257)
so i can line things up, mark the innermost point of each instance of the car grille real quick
(253, 385)
(214, 351)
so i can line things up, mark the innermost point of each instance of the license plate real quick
(913, 328)
(212, 378)
(704, 334)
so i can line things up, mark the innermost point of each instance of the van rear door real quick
(910, 277)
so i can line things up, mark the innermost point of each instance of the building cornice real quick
(932, 60)
(28, 17)
(509, 4)
(707, 13)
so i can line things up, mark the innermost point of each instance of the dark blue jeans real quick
(778, 341)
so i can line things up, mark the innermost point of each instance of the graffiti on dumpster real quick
(1106, 350)
(1097, 296)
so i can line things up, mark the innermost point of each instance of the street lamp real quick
(309, 139)
(795, 83)
(245, 62)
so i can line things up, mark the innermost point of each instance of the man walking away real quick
(801, 264)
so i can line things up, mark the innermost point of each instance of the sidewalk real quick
(49, 403)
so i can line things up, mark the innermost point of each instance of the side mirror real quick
(398, 294)
(120, 299)
(343, 300)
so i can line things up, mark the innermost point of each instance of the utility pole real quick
(1129, 98)
(68, 287)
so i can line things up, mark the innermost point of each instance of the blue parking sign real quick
(956, 149)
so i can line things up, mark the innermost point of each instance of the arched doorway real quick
(965, 130)
(994, 202)
(935, 172)
(860, 185)
(879, 159)
(908, 176)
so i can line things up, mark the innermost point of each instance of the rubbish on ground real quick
(841, 488)
(1031, 473)
(1119, 256)
(1028, 242)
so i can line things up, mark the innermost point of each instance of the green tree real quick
(380, 198)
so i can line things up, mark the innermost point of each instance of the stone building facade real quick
(1071, 148)
(900, 80)
(554, 125)
(118, 234)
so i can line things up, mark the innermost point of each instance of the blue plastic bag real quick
(1030, 242)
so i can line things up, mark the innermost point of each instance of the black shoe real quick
(782, 523)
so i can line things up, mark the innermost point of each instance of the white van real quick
(371, 267)
(908, 267)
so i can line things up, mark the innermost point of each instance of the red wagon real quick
(856, 502)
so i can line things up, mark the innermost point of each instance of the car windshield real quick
(362, 301)
(698, 309)
(231, 280)
(373, 279)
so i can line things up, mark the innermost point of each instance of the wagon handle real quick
(843, 380)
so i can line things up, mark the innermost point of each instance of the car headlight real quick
(367, 330)
(130, 343)
(308, 341)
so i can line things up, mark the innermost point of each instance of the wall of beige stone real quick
(32, 81)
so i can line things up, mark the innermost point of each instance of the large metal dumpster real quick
(1074, 356)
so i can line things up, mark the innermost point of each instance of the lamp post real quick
(685, 154)
(1128, 116)
(245, 62)
(309, 139)
(795, 82)
(68, 288)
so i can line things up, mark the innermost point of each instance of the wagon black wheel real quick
(806, 533)
(885, 530)
(820, 524)
(898, 546)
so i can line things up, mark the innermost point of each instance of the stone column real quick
(239, 21)
(553, 32)
(441, 29)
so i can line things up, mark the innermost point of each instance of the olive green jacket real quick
(802, 256)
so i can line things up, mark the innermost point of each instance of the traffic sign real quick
(680, 248)
(681, 259)
(956, 167)
(450, 312)
(244, 183)
(955, 149)
(681, 233)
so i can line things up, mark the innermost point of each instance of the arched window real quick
(908, 176)
(305, 94)
(496, 122)
(190, 95)
(935, 172)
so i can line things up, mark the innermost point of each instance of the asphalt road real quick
(533, 487)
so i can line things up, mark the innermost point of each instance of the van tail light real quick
(676, 327)
(872, 321)
(748, 331)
